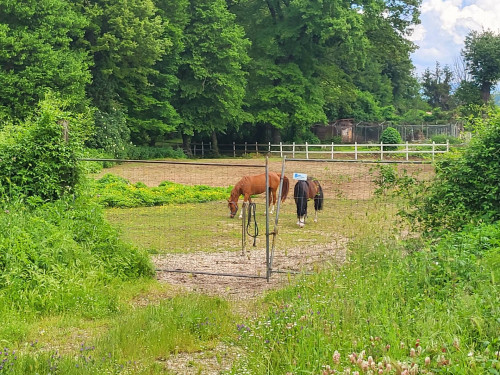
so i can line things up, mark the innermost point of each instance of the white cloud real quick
(445, 24)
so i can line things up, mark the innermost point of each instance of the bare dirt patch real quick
(234, 288)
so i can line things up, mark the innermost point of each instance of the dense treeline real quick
(146, 70)
(151, 68)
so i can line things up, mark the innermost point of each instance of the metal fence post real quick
(234, 150)
(406, 150)
(332, 150)
(281, 149)
(355, 150)
(381, 151)
(293, 150)
(307, 151)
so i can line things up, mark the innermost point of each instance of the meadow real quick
(396, 304)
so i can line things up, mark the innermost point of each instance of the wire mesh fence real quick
(197, 245)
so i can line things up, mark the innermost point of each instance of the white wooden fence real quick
(356, 150)
(352, 151)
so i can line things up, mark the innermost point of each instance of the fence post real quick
(194, 149)
(433, 149)
(381, 151)
(234, 150)
(447, 145)
(355, 150)
(281, 149)
(293, 150)
(407, 150)
(269, 149)
(332, 150)
(245, 149)
(202, 150)
(307, 151)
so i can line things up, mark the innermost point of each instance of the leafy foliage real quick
(114, 191)
(40, 157)
(39, 51)
(62, 257)
(390, 136)
(467, 185)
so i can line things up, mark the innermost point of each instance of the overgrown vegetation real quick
(389, 310)
(114, 191)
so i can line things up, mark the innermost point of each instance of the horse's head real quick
(233, 207)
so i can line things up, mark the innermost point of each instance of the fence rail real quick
(330, 150)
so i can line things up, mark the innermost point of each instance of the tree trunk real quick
(186, 145)
(276, 136)
(485, 92)
(215, 144)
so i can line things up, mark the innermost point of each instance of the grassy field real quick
(391, 308)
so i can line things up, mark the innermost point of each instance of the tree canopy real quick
(197, 68)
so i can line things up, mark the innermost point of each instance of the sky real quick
(444, 25)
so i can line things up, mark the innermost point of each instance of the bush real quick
(40, 157)
(390, 136)
(147, 153)
(466, 187)
(63, 256)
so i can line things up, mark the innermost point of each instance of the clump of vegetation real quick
(114, 191)
(389, 308)
(390, 136)
(466, 186)
(63, 256)
(40, 157)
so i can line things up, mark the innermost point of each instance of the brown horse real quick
(302, 192)
(250, 185)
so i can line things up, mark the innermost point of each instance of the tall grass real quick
(389, 310)
(63, 257)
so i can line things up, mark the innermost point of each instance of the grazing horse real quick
(304, 190)
(250, 185)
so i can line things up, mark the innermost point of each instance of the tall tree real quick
(212, 78)
(437, 86)
(482, 54)
(39, 51)
(126, 39)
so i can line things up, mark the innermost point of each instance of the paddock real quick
(198, 247)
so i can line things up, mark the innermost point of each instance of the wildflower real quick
(387, 347)
(456, 343)
(364, 366)
(417, 343)
(352, 358)
(336, 357)
(427, 361)
(412, 352)
(402, 345)
(388, 367)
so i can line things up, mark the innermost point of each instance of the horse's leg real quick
(315, 216)
(273, 200)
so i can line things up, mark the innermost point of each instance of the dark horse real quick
(250, 185)
(304, 190)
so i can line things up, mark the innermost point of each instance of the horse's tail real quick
(300, 194)
(318, 199)
(285, 188)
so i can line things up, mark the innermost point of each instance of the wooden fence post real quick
(307, 151)
(355, 150)
(234, 150)
(281, 149)
(332, 150)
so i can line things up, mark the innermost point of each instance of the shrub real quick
(40, 157)
(390, 136)
(63, 256)
(466, 187)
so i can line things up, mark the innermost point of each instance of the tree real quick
(40, 51)
(482, 54)
(436, 87)
(126, 39)
(211, 75)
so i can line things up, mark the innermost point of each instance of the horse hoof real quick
(315, 220)
(301, 225)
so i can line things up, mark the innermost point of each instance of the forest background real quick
(143, 72)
